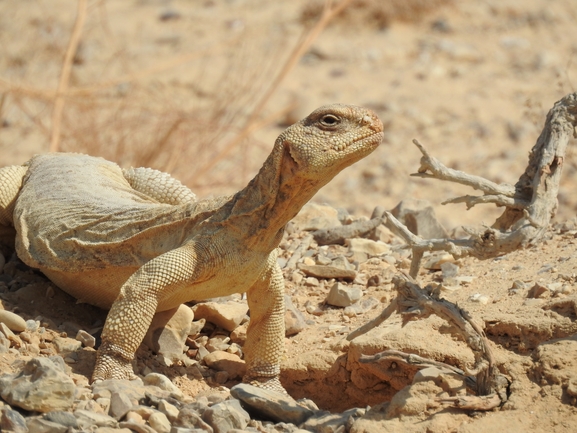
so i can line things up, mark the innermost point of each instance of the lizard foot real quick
(112, 367)
(266, 382)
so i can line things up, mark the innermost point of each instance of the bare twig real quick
(387, 312)
(65, 75)
(432, 168)
(338, 235)
(329, 12)
(413, 303)
(529, 205)
(410, 359)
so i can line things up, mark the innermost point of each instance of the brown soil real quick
(471, 80)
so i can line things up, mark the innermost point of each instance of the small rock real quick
(227, 315)
(293, 319)
(272, 405)
(434, 261)
(41, 386)
(12, 421)
(162, 382)
(539, 291)
(196, 327)
(555, 287)
(481, 299)
(85, 338)
(224, 361)
(367, 246)
(321, 271)
(168, 331)
(169, 410)
(429, 373)
(64, 418)
(361, 307)
(13, 321)
(313, 309)
(226, 416)
(159, 422)
(120, 404)
(517, 287)
(87, 419)
(331, 422)
(170, 15)
(135, 389)
(238, 335)
(189, 418)
(342, 295)
(316, 217)
(32, 325)
(419, 217)
(449, 270)
(132, 416)
(66, 345)
(139, 428)
(40, 425)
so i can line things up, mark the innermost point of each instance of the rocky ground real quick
(154, 80)
(526, 302)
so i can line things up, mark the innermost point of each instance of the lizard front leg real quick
(265, 335)
(132, 311)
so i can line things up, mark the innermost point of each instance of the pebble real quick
(434, 261)
(323, 271)
(224, 361)
(168, 332)
(159, 422)
(120, 404)
(226, 315)
(539, 291)
(271, 404)
(226, 416)
(85, 338)
(12, 321)
(162, 382)
(481, 299)
(169, 410)
(361, 307)
(294, 319)
(41, 425)
(12, 421)
(367, 246)
(314, 216)
(419, 217)
(41, 386)
(342, 295)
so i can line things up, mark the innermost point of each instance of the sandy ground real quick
(171, 83)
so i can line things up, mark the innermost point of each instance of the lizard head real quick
(329, 139)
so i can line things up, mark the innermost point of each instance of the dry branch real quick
(65, 75)
(413, 303)
(329, 12)
(529, 204)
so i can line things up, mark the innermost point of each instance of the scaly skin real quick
(136, 241)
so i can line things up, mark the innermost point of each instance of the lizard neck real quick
(272, 198)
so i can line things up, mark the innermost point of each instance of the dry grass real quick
(375, 13)
(141, 117)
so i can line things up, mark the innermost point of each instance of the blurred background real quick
(201, 89)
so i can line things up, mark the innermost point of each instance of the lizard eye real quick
(329, 120)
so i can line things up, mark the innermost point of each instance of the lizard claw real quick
(268, 383)
(112, 367)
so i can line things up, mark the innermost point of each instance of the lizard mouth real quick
(373, 139)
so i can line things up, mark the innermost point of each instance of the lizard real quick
(137, 241)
